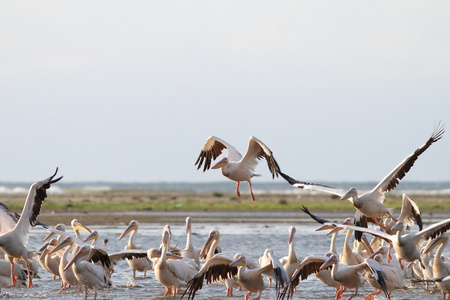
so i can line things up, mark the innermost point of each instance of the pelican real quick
(221, 267)
(234, 166)
(189, 251)
(14, 242)
(406, 245)
(51, 261)
(99, 255)
(349, 276)
(441, 268)
(290, 262)
(89, 275)
(209, 248)
(136, 264)
(173, 274)
(370, 204)
(264, 260)
(67, 275)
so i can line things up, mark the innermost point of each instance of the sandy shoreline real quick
(120, 206)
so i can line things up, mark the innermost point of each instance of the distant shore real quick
(106, 207)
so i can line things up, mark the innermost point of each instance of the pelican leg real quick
(134, 273)
(95, 293)
(230, 292)
(30, 284)
(353, 295)
(371, 295)
(13, 278)
(237, 189)
(168, 291)
(251, 190)
(64, 286)
(247, 296)
(85, 292)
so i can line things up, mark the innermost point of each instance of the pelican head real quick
(220, 164)
(399, 226)
(332, 260)
(292, 231)
(239, 262)
(66, 242)
(60, 227)
(132, 226)
(188, 225)
(165, 237)
(436, 242)
(92, 236)
(352, 192)
(83, 253)
(213, 236)
(76, 225)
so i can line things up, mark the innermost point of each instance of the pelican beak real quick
(188, 225)
(239, 262)
(79, 226)
(44, 251)
(335, 229)
(325, 227)
(366, 244)
(207, 244)
(223, 162)
(48, 236)
(397, 227)
(434, 244)
(80, 253)
(329, 262)
(92, 236)
(130, 228)
(61, 245)
(349, 194)
(165, 237)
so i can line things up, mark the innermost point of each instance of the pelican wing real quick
(212, 148)
(216, 268)
(391, 180)
(182, 269)
(101, 256)
(308, 266)
(96, 271)
(381, 234)
(312, 186)
(7, 219)
(378, 274)
(127, 254)
(434, 230)
(32, 206)
(258, 150)
(410, 212)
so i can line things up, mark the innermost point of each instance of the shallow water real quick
(251, 239)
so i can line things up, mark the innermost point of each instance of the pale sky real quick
(130, 90)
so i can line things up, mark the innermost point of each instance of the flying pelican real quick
(235, 166)
(14, 242)
(89, 275)
(406, 245)
(370, 204)
(441, 268)
(189, 251)
(221, 267)
(290, 262)
(173, 274)
(136, 264)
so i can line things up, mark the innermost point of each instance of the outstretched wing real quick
(32, 206)
(312, 186)
(391, 180)
(258, 150)
(434, 230)
(410, 212)
(212, 148)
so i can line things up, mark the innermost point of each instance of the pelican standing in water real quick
(441, 269)
(14, 243)
(235, 166)
(189, 251)
(89, 275)
(290, 262)
(136, 264)
(370, 204)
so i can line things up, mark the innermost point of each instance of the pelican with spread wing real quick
(370, 204)
(14, 242)
(235, 166)
(406, 245)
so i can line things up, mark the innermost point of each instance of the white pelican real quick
(235, 166)
(173, 274)
(67, 275)
(51, 261)
(189, 251)
(136, 264)
(221, 267)
(406, 245)
(99, 256)
(89, 275)
(441, 268)
(264, 260)
(290, 262)
(14, 242)
(370, 204)
(209, 248)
